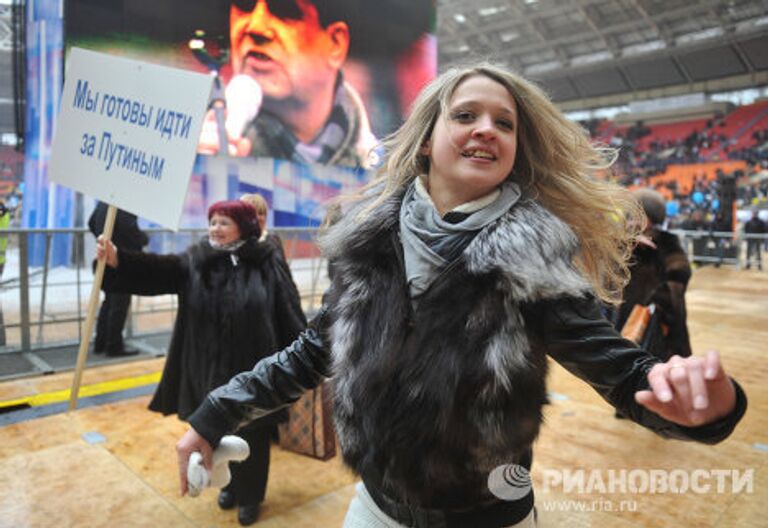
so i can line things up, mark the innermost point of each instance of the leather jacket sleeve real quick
(576, 335)
(274, 383)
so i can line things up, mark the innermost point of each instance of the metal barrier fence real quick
(44, 306)
(723, 248)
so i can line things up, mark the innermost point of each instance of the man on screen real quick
(294, 50)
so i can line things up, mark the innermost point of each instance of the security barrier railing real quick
(45, 305)
(723, 247)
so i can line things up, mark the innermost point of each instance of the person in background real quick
(5, 223)
(114, 309)
(755, 226)
(258, 202)
(295, 51)
(484, 245)
(236, 305)
(659, 275)
(720, 229)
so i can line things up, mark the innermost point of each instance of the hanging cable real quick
(18, 52)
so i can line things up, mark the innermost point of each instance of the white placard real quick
(127, 133)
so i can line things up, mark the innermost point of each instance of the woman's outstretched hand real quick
(190, 443)
(689, 391)
(105, 249)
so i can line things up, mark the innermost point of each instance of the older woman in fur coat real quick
(237, 304)
(482, 248)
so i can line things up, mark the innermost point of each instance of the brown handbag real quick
(645, 329)
(309, 429)
(637, 323)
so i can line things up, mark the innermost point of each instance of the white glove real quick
(231, 449)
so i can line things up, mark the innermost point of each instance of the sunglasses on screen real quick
(283, 9)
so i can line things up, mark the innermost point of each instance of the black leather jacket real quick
(573, 331)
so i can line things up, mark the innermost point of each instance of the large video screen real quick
(308, 81)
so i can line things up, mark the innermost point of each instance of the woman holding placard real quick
(237, 303)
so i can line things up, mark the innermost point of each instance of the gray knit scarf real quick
(430, 242)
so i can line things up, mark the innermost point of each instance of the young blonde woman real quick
(483, 246)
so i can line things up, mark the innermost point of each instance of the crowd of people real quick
(639, 161)
(756, 153)
(705, 208)
(700, 205)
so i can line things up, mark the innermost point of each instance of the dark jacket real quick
(429, 400)
(233, 309)
(661, 276)
(126, 233)
(277, 243)
(755, 226)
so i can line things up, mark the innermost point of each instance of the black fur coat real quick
(233, 309)
(439, 395)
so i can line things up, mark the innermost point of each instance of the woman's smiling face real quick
(472, 149)
(222, 229)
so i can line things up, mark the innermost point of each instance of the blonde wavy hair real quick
(556, 164)
(257, 201)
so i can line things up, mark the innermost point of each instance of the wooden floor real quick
(114, 465)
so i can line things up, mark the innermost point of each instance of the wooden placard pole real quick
(93, 302)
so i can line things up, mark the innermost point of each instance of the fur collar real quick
(529, 244)
(252, 251)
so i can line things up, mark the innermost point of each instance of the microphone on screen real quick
(243, 96)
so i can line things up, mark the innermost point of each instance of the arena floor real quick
(113, 463)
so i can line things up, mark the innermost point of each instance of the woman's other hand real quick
(190, 443)
(689, 391)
